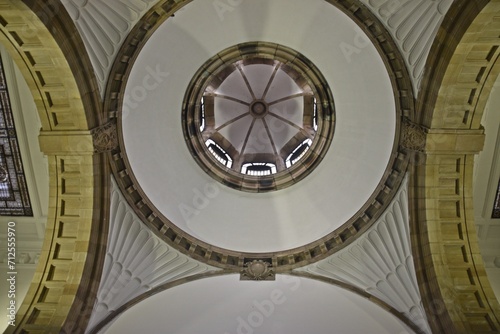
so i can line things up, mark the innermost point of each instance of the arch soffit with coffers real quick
(462, 68)
(284, 260)
(68, 108)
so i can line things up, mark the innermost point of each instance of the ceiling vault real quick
(412, 248)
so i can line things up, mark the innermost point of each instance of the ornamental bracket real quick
(413, 136)
(257, 270)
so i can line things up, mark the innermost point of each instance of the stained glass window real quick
(14, 197)
(496, 205)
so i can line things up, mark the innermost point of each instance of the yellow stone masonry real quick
(445, 205)
(67, 142)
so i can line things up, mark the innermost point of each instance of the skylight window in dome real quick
(258, 112)
(258, 168)
(315, 115)
(298, 153)
(202, 114)
(219, 153)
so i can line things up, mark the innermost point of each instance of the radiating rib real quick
(276, 68)
(232, 121)
(246, 82)
(230, 98)
(287, 98)
(246, 138)
(304, 132)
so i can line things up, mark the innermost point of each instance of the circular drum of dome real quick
(258, 117)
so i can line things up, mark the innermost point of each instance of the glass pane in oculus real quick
(219, 153)
(258, 168)
(14, 197)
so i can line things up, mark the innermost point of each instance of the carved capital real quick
(257, 270)
(413, 136)
(105, 137)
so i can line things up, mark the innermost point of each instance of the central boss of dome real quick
(258, 117)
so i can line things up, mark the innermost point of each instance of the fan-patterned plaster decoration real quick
(103, 25)
(413, 24)
(380, 262)
(136, 261)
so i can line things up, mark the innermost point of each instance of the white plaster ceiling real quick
(225, 305)
(328, 197)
